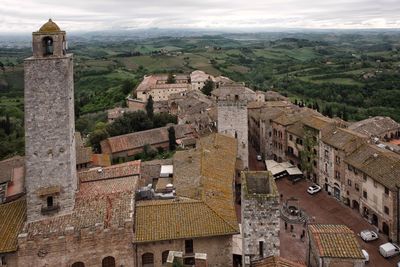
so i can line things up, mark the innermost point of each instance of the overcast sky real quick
(88, 15)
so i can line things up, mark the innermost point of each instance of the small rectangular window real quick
(356, 187)
(365, 195)
(189, 246)
(349, 182)
(386, 210)
(386, 190)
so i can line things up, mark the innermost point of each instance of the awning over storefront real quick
(279, 170)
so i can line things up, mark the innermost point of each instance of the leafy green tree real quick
(171, 138)
(150, 107)
(208, 87)
(149, 152)
(127, 86)
(171, 78)
(95, 138)
(328, 111)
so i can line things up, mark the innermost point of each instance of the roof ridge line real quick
(219, 215)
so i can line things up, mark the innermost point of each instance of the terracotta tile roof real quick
(275, 261)
(287, 119)
(200, 76)
(83, 155)
(151, 137)
(131, 168)
(151, 169)
(12, 217)
(297, 129)
(107, 202)
(172, 219)
(380, 164)
(8, 165)
(218, 161)
(335, 241)
(225, 91)
(344, 139)
(375, 126)
(318, 122)
(204, 176)
(101, 160)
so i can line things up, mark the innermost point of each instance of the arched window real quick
(48, 46)
(164, 256)
(78, 264)
(108, 262)
(147, 260)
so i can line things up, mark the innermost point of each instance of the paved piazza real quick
(321, 208)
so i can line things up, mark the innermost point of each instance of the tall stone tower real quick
(50, 158)
(260, 216)
(232, 115)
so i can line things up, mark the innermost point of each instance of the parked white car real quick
(366, 255)
(368, 235)
(314, 189)
(389, 249)
(259, 158)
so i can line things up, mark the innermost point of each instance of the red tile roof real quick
(335, 241)
(150, 137)
(131, 168)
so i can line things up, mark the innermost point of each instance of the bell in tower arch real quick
(50, 40)
(48, 46)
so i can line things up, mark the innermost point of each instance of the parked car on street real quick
(314, 189)
(259, 158)
(366, 255)
(389, 249)
(368, 235)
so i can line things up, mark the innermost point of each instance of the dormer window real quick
(48, 46)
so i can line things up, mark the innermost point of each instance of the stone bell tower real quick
(50, 158)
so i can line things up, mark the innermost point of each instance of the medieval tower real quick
(260, 216)
(51, 179)
(232, 115)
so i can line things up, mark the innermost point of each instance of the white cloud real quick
(74, 15)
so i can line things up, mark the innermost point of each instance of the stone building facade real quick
(90, 246)
(260, 216)
(371, 174)
(49, 125)
(218, 250)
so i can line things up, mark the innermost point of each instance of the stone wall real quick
(218, 250)
(232, 120)
(89, 246)
(49, 133)
(260, 223)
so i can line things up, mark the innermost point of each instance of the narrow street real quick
(321, 208)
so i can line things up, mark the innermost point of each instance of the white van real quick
(389, 249)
